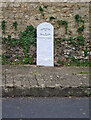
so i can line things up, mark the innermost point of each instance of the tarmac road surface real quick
(51, 107)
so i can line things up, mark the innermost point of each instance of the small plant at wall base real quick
(88, 94)
(15, 25)
(26, 59)
(60, 62)
(3, 26)
(75, 62)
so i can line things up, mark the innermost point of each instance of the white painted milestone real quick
(45, 44)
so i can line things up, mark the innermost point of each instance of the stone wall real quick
(28, 13)
(0, 28)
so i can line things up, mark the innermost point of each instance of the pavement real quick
(42, 107)
(27, 80)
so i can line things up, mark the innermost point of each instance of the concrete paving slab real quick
(25, 80)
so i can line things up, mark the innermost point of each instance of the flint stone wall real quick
(27, 13)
